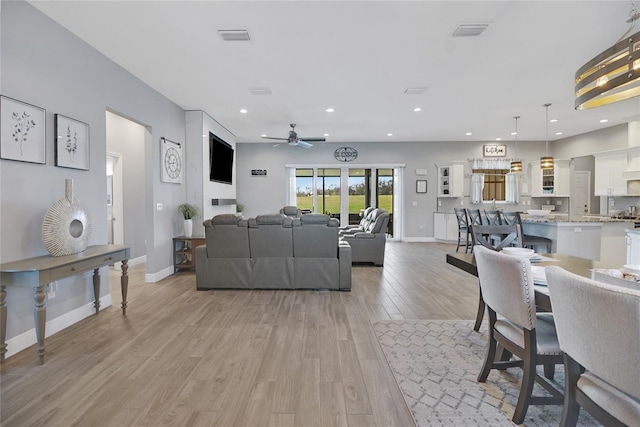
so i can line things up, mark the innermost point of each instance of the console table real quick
(40, 271)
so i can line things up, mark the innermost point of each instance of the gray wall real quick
(268, 194)
(45, 65)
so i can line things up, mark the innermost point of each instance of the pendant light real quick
(516, 165)
(546, 162)
(614, 74)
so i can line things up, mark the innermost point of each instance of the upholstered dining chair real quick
(494, 237)
(507, 288)
(599, 331)
(463, 228)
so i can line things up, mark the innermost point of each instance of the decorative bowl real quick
(538, 212)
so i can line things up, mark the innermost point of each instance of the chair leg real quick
(528, 379)
(571, 408)
(480, 314)
(491, 350)
(459, 240)
(549, 371)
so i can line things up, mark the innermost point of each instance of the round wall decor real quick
(345, 154)
(66, 228)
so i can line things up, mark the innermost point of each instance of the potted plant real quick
(188, 212)
(239, 208)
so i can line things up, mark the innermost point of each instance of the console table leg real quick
(124, 285)
(96, 289)
(3, 321)
(40, 319)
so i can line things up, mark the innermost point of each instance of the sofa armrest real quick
(360, 235)
(344, 260)
(201, 266)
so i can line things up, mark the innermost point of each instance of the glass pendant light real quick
(516, 165)
(546, 161)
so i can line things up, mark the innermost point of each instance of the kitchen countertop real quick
(575, 219)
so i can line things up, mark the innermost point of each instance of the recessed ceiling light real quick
(498, 139)
(468, 134)
(604, 120)
(243, 111)
(553, 120)
(417, 109)
(326, 134)
(389, 134)
(329, 110)
(514, 133)
(558, 133)
(263, 135)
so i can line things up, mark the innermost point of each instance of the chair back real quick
(291, 211)
(463, 220)
(598, 326)
(230, 229)
(497, 237)
(507, 286)
(493, 217)
(474, 217)
(511, 218)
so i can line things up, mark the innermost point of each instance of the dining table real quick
(580, 266)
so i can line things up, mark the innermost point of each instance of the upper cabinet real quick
(609, 179)
(450, 179)
(550, 182)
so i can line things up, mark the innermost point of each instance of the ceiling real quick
(359, 58)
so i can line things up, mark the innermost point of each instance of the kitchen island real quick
(596, 238)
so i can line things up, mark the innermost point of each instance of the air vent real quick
(260, 91)
(469, 30)
(234, 35)
(415, 90)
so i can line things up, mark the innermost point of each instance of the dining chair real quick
(599, 332)
(475, 218)
(493, 217)
(494, 237)
(463, 228)
(514, 325)
(528, 241)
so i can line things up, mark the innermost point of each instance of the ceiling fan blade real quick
(279, 139)
(304, 144)
(318, 139)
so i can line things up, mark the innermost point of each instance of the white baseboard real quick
(420, 239)
(156, 277)
(28, 338)
(134, 261)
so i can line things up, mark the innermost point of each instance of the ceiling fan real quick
(294, 140)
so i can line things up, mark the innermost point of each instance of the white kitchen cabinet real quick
(450, 179)
(609, 180)
(445, 227)
(550, 182)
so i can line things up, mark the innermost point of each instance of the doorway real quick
(115, 218)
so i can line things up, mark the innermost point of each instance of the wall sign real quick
(345, 154)
(493, 150)
(258, 172)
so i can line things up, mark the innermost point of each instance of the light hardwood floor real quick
(236, 358)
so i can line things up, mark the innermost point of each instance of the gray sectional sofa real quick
(368, 239)
(273, 252)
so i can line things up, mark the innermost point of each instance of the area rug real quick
(436, 363)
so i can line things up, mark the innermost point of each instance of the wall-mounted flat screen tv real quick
(220, 160)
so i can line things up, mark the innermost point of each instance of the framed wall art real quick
(22, 131)
(421, 186)
(72, 143)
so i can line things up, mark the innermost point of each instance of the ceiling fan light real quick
(546, 162)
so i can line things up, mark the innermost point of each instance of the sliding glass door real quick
(320, 190)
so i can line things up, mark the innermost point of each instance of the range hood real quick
(632, 173)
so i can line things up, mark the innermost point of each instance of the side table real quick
(184, 252)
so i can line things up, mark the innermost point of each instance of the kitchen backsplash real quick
(447, 204)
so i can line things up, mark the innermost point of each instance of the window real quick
(495, 184)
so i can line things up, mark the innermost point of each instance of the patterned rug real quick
(436, 363)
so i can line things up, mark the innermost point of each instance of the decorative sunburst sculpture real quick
(66, 228)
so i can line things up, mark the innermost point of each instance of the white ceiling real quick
(359, 57)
